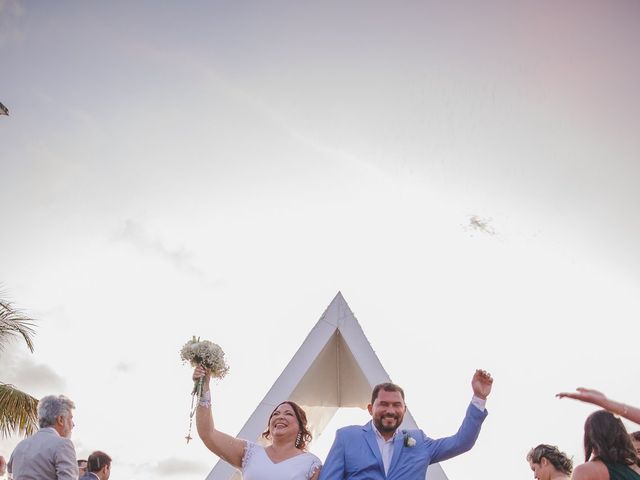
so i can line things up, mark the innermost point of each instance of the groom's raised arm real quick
(462, 441)
(333, 468)
(467, 434)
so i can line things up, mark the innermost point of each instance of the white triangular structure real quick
(334, 367)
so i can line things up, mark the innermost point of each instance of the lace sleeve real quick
(316, 464)
(249, 450)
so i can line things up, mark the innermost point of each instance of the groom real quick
(378, 451)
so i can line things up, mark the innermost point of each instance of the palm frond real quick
(18, 411)
(13, 322)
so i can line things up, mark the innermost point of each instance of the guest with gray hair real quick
(49, 454)
(51, 408)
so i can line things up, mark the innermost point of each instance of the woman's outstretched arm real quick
(598, 398)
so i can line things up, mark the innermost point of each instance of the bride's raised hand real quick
(201, 372)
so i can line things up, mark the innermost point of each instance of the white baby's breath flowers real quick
(205, 353)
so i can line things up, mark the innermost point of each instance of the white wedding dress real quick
(256, 465)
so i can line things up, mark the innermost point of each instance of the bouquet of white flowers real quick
(205, 353)
(210, 356)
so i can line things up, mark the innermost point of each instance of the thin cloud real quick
(135, 234)
(176, 466)
(124, 367)
(314, 142)
(39, 376)
(10, 12)
(26, 374)
(181, 59)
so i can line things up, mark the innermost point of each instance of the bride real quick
(284, 458)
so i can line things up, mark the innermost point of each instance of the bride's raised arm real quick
(225, 446)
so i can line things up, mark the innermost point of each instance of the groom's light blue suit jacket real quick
(355, 454)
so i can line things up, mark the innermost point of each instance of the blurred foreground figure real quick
(635, 440)
(48, 454)
(82, 468)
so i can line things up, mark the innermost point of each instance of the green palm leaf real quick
(12, 323)
(18, 411)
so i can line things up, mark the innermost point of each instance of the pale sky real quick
(224, 168)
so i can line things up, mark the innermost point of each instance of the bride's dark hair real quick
(304, 436)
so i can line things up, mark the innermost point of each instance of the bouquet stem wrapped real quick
(197, 387)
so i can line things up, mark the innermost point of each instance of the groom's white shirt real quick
(479, 403)
(386, 446)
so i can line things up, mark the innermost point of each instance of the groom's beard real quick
(388, 423)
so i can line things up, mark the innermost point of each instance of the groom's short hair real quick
(387, 387)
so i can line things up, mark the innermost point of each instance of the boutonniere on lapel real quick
(409, 441)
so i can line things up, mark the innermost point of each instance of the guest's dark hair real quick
(607, 440)
(304, 436)
(97, 460)
(387, 387)
(558, 459)
(636, 436)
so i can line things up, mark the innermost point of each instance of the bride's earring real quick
(298, 439)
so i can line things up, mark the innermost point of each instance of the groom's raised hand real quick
(481, 384)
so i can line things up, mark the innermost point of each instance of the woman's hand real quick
(586, 395)
(204, 373)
